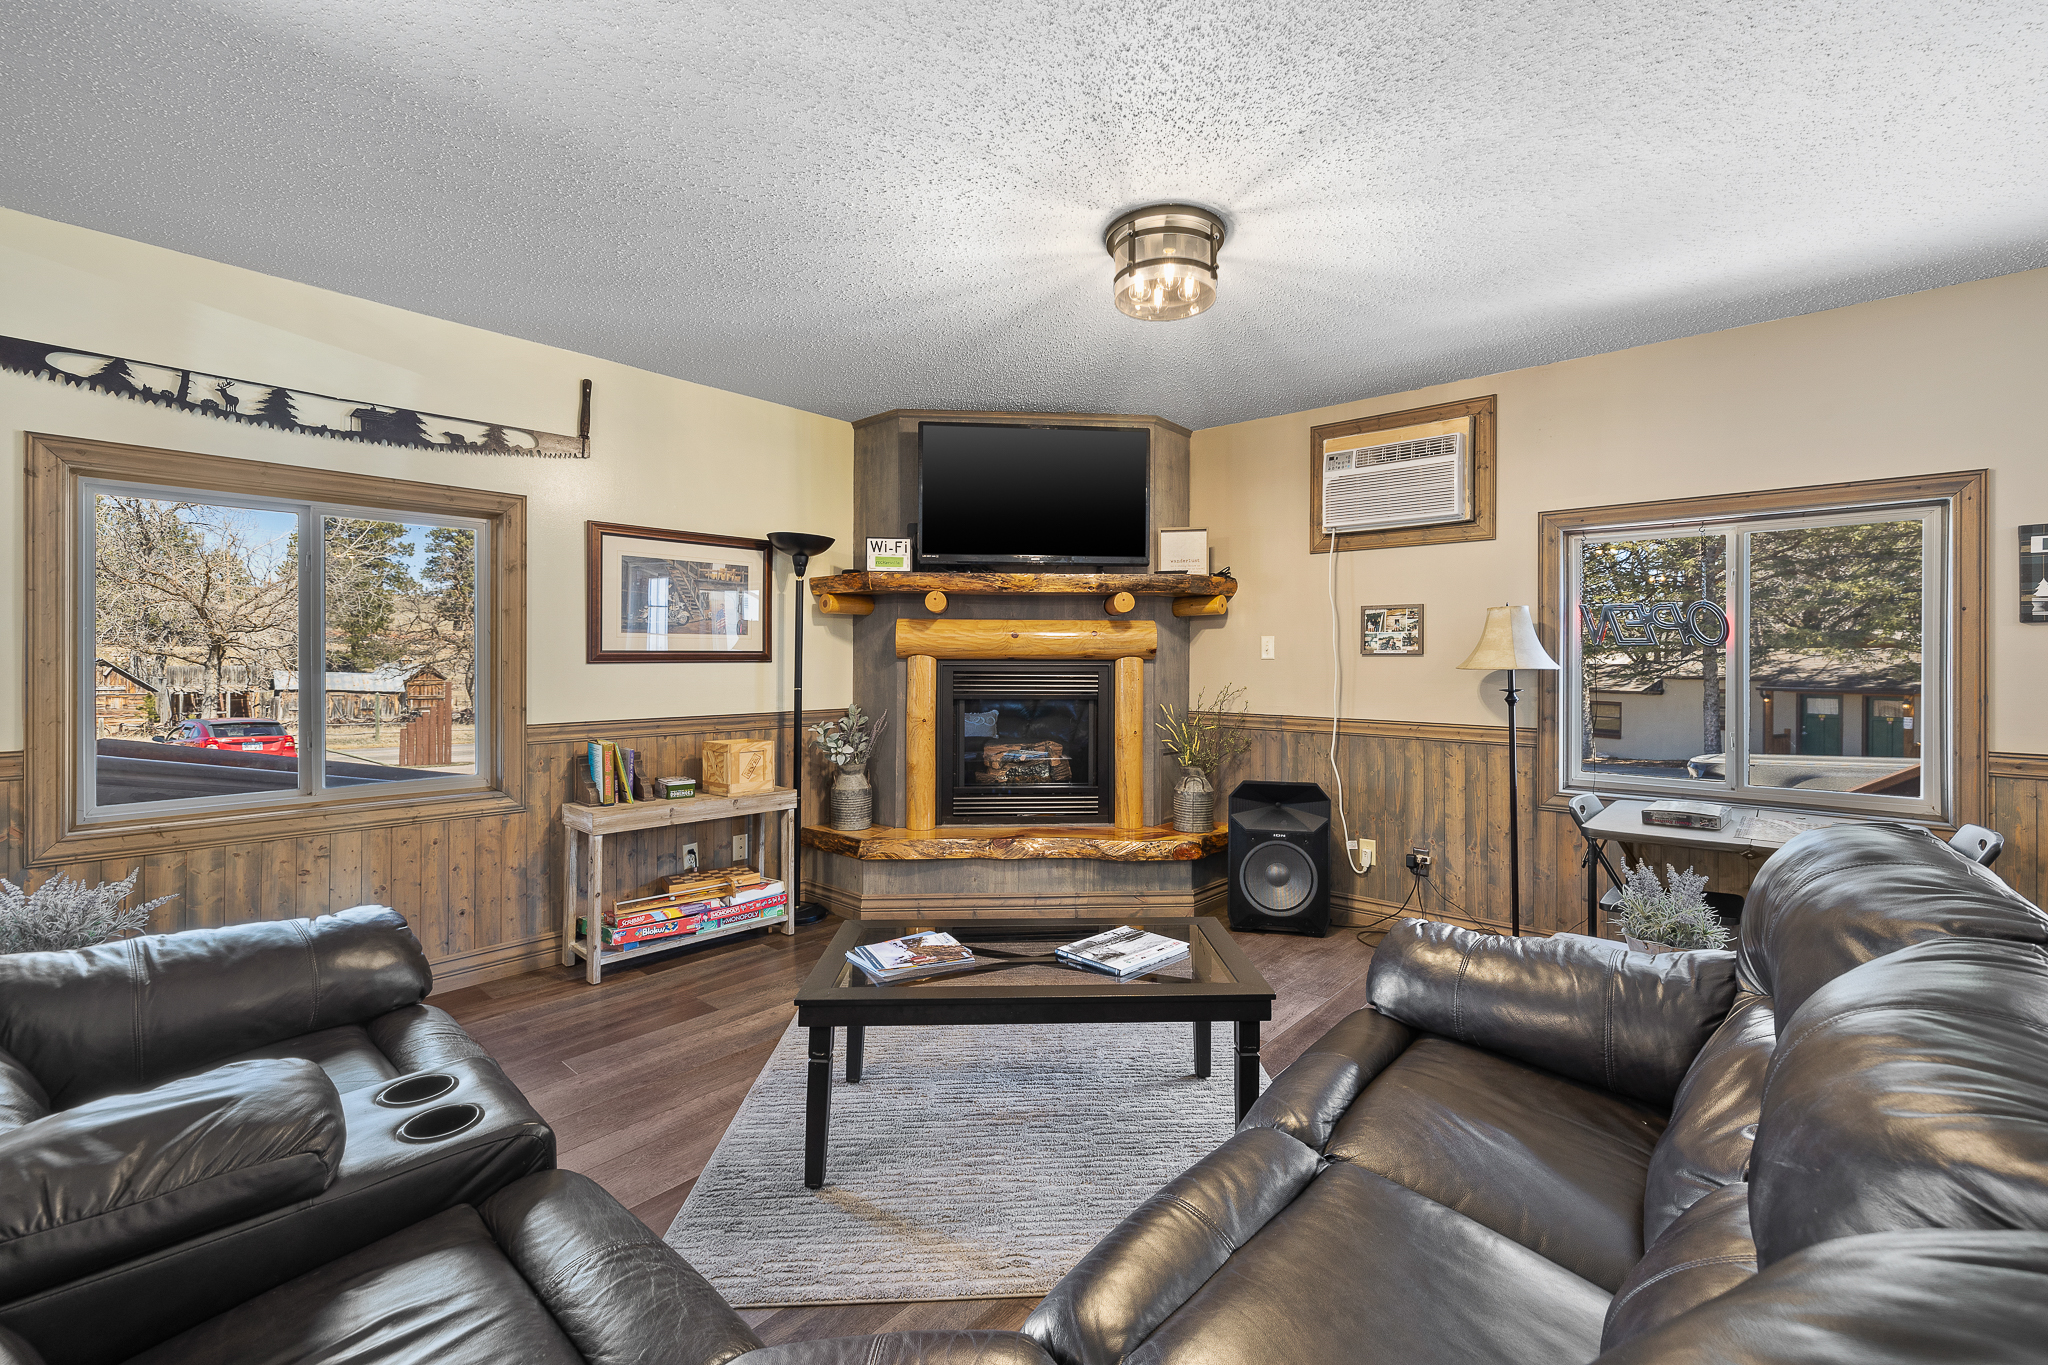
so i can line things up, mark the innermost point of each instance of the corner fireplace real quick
(1025, 742)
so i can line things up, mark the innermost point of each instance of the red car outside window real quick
(246, 736)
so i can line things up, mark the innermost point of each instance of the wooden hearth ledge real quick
(853, 594)
(1153, 844)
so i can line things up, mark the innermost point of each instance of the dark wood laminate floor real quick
(641, 1075)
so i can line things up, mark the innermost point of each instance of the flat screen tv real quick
(1048, 495)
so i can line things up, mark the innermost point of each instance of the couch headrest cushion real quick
(127, 1015)
(1909, 1093)
(1581, 1007)
(1833, 899)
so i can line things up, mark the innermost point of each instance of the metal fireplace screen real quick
(1025, 741)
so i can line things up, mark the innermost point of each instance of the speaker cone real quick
(1278, 878)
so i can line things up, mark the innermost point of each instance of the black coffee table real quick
(1022, 983)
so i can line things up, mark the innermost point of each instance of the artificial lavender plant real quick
(62, 913)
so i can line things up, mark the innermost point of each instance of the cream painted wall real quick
(665, 452)
(1918, 384)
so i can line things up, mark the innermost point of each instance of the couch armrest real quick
(421, 1037)
(1151, 1263)
(1306, 1100)
(1627, 1022)
(619, 1291)
(124, 1176)
(906, 1348)
(15, 1351)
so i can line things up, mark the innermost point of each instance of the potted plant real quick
(62, 913)
(847, 744)
(1203, 739)
(1656, 918)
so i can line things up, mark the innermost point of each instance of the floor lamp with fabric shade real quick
(1509, 642)
(799, 547)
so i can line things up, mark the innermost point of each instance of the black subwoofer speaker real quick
(1280, 858)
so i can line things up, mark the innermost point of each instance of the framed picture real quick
(1390, 630)
(675, 596)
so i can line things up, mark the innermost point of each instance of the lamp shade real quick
(1509, 641)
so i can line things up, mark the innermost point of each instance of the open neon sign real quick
(1634, 625)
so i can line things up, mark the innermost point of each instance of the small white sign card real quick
(1184, 549)
(888, 556)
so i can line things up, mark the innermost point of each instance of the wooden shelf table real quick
(591, 825)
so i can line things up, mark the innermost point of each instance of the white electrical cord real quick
(1336, 712)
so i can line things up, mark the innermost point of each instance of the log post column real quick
(1130, 742)
(921, 743)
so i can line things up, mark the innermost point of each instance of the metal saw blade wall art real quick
(270, 405)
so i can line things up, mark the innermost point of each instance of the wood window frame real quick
(1968, 494)
(56, 466)
(1481, 525)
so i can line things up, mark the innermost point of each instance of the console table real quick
(590, 825)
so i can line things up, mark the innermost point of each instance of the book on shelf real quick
(911, 957)
(1123, 952)
(652, 909)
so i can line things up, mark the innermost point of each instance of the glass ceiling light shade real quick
(1165, 259)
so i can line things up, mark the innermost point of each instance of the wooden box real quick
(738, 767)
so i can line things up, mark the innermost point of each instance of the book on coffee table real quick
(910, 957)
(1123, 952)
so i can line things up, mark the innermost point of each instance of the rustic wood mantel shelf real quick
(853, 594)
(1154, 844)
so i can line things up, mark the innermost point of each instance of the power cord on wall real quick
(1336, 714)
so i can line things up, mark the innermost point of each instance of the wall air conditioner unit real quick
(1423, 482)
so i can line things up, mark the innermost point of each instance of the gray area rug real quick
(969, 1163)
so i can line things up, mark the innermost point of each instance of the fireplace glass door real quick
(1025, 742)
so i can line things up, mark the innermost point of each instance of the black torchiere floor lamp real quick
(799, 547)
(1509, 641)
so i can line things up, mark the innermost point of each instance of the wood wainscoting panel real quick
(481, 893)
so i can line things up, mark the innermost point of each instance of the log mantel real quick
(854, 594)
(995, 584)
(1008, 842)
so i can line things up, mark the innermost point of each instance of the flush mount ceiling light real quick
(1165, 259)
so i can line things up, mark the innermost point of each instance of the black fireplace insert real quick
(1025, 742)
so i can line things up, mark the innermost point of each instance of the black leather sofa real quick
(1830, 1146)
(257, 1144)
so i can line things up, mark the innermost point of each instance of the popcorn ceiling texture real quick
(849, 207)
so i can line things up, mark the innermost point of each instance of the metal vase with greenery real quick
(847, 744)
(1656, 918)
(1204, 739)
(62, 913)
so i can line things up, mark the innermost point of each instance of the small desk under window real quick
(1749, 830)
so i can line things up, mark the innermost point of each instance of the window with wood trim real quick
(1817, 648)
(220, 642)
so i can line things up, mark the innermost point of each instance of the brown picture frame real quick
(602, 647)
(1485, 502)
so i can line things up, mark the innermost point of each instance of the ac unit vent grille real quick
(1403, 483)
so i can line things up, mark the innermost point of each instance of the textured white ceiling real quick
(856, 207)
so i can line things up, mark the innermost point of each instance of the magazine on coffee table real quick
(910, 957)
(1123, 952)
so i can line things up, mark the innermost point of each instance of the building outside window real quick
(1798, 655)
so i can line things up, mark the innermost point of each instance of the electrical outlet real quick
(1265, 646)
(689, 857)
(1369, 847)
(739, 848)
(1419, 861)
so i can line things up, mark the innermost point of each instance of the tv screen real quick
(991, 495)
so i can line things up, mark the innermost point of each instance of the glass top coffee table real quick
(1020, 982)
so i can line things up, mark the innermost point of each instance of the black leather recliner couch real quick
(1832, 1146)
(257, 1144)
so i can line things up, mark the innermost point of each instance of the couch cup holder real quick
(413, 1090)
(444, 1122)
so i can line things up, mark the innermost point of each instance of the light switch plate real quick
(1265, 646)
